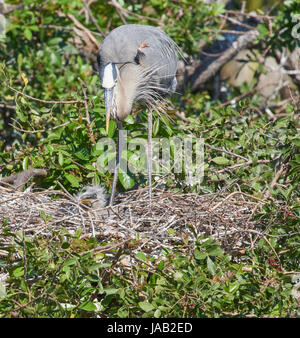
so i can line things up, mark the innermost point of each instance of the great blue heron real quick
(137, 63)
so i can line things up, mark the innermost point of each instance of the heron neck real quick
(127, 86)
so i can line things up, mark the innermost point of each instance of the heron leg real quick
(119, 156)
(149, 153)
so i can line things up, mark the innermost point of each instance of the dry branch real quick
(90, 14)
(85, 34)
(19, 180)
(40, 100)
(200, 76)
(125, 12)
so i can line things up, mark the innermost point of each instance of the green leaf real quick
(296, 141)
(20, 59)
(95, 266)
(99, 256)
(125, 179)
(215, 252)
(88, 306)
(155, 127)
(200, 255)
(178, 276)
(129, 119)
(45, 217)
(89, 167)
(123, 313)
(111, 128)
(65, 245)
(233, 287)
(28, 34)
(70, 261)
(146, 306)
(71, 166)
(297, 157)
(19, 271)
(220, 160)
(211, 266)
(161, 265)
(25, 163)
(83, 154)
(157, 313)
(72, 179)
(55, 41)
(263, 31)
(45, 110)
(172, 232)
(141, 256)
(60, 159)
(111, 291)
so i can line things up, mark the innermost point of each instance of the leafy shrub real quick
(52, 116)
(65, 276)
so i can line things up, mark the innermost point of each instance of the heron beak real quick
(87, 202)
(108, 96)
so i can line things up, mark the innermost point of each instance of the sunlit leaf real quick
(72, 179)
(88, 306)
(146, 306)
(220, 160)
(211, 266)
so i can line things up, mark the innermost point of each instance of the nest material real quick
(170, 219)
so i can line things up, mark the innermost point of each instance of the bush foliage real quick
(52, 115)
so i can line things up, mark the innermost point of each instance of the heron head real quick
(109, 76)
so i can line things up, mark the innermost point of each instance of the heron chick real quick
(137, 63)
(93, 196)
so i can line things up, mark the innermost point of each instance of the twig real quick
(252, 15)
(240, 97)
(233, 194)
(182, 117)
(92, 40)
(264, 237)
(226, 152)
(7, 106)
(11, 8)
(119, 10)
(127, 12)
(236, 22)
(277, 175)
(87, 8)
(238, 165)
(40, 130)
(42, 101)
(154, 268)
(235, 99)
(69, 28)
(109, 247)
(66, 192)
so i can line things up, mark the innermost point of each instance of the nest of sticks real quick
(172, 218)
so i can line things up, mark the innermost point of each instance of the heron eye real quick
(138, 57)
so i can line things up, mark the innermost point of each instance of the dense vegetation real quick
(52, 115)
